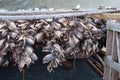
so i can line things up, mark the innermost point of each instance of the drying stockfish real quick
(58, 38)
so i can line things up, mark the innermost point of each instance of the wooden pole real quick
(85, 11)
(114, 73)
(95, 67)
(107, 16)
(106, 75)
(44, 15)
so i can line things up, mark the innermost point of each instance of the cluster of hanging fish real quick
(58, 39)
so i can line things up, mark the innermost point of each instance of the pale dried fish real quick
(33, 57)
(30, 41)
(27, 60)
(11, 25)
(48, 58)
(21, 64)
(39, 37)
(3, 53)
(1, 43)
(29, 50)
(2, 24)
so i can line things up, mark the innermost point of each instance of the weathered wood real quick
(109, 42)
(32, 12)
(106, 75)
(95, 67)
(118, 47)
(90, 11)
(100, 59)
(114, 74)
(100, 66)
(107, 16)
(45, 15)
(113, 25)
(112, 64)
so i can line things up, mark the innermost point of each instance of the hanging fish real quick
(11, 25)
(48, 58)
(33, 57)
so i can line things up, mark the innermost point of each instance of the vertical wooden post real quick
(106, 75)
(109, 73)
(114, 74)
(118, 47)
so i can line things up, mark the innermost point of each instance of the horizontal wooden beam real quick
(27, 12)
(107, 16)
(15, 15)
(112, 63)
(113, 25)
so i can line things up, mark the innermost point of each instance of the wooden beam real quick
(114, 74)
(113, 25)
(107, 69)
(112, 63)
(107, 16)
(118, 47)
(15, 15)
(109, 42)
(47, 11)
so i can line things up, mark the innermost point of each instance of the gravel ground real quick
(38, 71)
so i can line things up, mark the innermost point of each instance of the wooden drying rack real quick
(16, 15)
(112, 56)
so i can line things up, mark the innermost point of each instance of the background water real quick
(64, 4)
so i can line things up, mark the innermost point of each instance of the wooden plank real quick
(58, 11)
(113, 25)
(106, 75)
(100, 59)
(53, 14)
(109, 42)
(112, 64)
(95, 67)
(118, 47)
(114, 74)
(107, 16)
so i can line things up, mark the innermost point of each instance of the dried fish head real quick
(21, 64)
(2, 43)
(13, 35)
(48, 58)
(21, 21)
(23, 26)
(29, 50)
(49, 20)
(4, 32)
(3, 53)
(56, 25)
(11, 25)
(2, 24)
(39, 37)
(33, 57)
(58, 34)
(30, 41)
(27, 60)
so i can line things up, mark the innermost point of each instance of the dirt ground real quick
(38, 71)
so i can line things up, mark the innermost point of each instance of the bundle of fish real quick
(58, 38)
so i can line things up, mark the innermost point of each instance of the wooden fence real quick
(112, 56)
